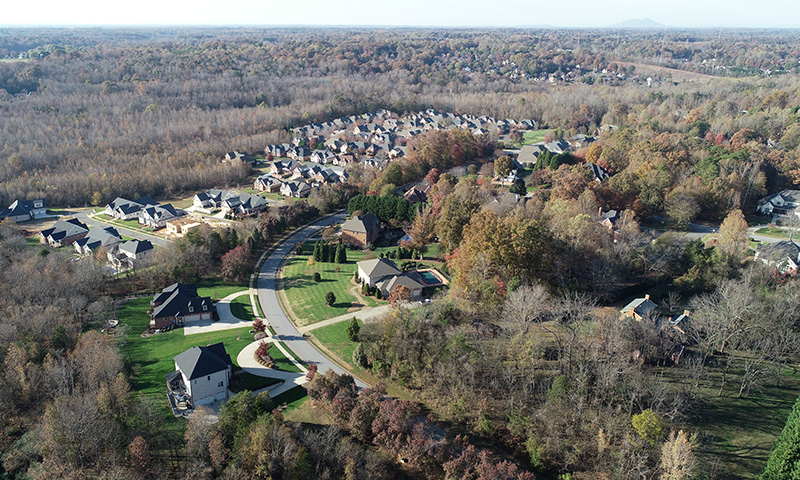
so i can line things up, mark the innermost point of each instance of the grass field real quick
(254, 382)
(241, 308)
(307, 297)
(217, 289)
(773, 232)
(532, 136)
(335, 338)
(740, 432)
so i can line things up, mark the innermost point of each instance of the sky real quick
(444, 13)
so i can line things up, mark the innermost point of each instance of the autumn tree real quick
(678, 460)
(733, 234)
(139, 454)
(399, 296)
(236, 264)
(503, 166)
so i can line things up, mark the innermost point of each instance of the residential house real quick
(182, 226)
(608, 219)
(179, 304)
(782, 203)
(243, 204)
(388, 284)
(209, 200)
(784, 256)
(123, 209)
(639, 309)
(202, 375)
(600, 173)
(361, 231)
(282, 167)
(24, 210)
(157, 216)
(127, 255)
(376, 270)
(234, 157)
(97, 237)
(529, 154)
(64, 232)
(301, 153)
(267, 183)
(418, 193)
(558, 146)
(295, 188)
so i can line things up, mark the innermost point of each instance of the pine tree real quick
(318, 251)
(784, 461)
(341, 254)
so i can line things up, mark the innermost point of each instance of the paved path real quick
(84, 217)
(271, 307)
(246, 360)
(364, 315)
(226, 320)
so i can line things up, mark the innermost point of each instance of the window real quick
(191, 309)
(219, 384)
(209, 378)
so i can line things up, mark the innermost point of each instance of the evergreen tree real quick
(784, 461)
(331, 253)
(341, 253)
(353, 329)
(318, 251)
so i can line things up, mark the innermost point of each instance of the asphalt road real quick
(84, 217)
(268, 299)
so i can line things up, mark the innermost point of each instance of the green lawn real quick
(773, 232)
(740, 432)
(292, 398)
(334, 337)
(254, 382)
(532, 136)
(282, 362)
(241, 308)
(307, 298)
(218, 289)
(151, 358)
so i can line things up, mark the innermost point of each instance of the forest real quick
(523, 369)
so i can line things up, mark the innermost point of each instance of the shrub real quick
(317, 277)
(330, 299)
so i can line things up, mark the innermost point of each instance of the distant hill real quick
(638, 23)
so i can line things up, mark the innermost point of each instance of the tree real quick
(318, 257)
(330, 299)
(649, 425)
(139, 454)
(236, 263)
(503, 166)
(352, 330)
(317, 277)
(258, 325)
(784, 461)
(677, 457)
(733, 234)
(341, 253)
(399, 295)
(518, 187)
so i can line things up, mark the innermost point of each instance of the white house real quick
(782, 203)
(204, 373)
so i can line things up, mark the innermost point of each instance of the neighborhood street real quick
(270, 305)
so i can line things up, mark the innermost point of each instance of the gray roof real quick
(776, 252)
(529, 153)
(23, 207)
(392, 282)
(136, 246)
(98, 237)
(198, 362)
(65, 228)
(641, 306)
(379, 267)
(175, 300)
(362, 224)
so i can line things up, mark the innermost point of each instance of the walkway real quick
(226, 320)
(246, 360)
(364, 315)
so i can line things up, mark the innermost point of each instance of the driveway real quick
(268, 299)
(226, 320)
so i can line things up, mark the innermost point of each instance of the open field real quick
(334, 337)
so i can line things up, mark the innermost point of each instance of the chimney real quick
(686, 312)
(599, 211)
(647, 296)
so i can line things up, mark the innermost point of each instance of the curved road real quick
(268, 299)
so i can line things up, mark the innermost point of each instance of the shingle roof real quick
(379, 267)
(778, 251)
(65, 228)
(181, 299)
(98, 237)
(641, 306)
(136, 246)
(400, 280)
(198, 362)
(362, 224)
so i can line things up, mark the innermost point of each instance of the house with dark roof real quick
(784, 256)
(361, 231)
(600, 174)
(782, 203)
(418, 193)
(639, 308)
(64, 232)
(210, 199)
(243, 204)
(127, 255)
(295, 188)
(238, 157)
(97, 237)
(157, 216)
(24, 210)
(267, 183)
(178, 304)
(202, 375)
(608, 219)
